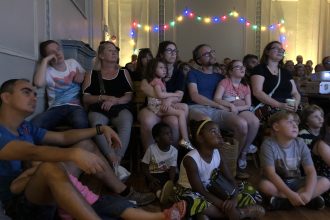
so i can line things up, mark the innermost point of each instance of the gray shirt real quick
(287, 161)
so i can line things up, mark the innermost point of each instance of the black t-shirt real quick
(117, 87)
(284, 89)
(177, 81)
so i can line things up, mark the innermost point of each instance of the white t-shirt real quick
(61, 89)
(158, 160)
(204, 169)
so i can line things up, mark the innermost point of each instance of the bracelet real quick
(98, 129)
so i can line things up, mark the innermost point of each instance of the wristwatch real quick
(98, 129)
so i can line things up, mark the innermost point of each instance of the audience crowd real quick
(190, 109)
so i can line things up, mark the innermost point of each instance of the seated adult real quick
(131, 65)
(50, 184)
(141, 64)
(63, 79)
(289, 66)
(271, 84)
(202, 85)
(174, 81)
(108, 96)
(250, 61)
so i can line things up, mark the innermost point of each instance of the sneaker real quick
(277, 203)
(242, 164)
(140, 199)
(186, 144)
(253, 212)
(316, 203)
(167, 193)
(252, 149)
(177, 211)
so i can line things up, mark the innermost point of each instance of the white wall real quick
(228, 38)
(24, 24)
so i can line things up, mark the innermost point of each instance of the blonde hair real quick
(101, 48)
(278, 116)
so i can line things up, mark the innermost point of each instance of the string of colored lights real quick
(190, 14)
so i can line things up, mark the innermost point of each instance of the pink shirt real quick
(157, 81)
(231, 93)
(90, 197)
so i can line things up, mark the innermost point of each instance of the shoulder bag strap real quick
(101, 83)
(272, 92)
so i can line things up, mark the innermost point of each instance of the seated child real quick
(195, 173)
(281, 156)
(321, 154)
(155, 75)
(312, 118)
(160, 159)
(106, 206)
(62, 79)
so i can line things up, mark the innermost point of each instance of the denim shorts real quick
(217, 115)
(296, 183)
(111, 206)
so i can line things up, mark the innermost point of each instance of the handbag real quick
(220, 186)
(262, 111)
(114, 110)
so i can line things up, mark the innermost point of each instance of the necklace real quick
(273, 71)
(236, 90)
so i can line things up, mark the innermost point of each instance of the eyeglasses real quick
(171, 51)
(238, 68)
(278, 49)
(208, 54)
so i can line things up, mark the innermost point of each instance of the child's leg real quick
(133, 213)
(176, 212)
(269, 189)
(253, 126)
(213, 212)
(322, 185)
(182, 120)
(182, 106)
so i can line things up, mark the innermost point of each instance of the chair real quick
(135, 150)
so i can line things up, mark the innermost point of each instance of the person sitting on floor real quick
(195, 173)
(105, 206)
(160, 160)
(63, 79)
(321, 154)
(281, 157)
(312, 118)
(17, 142)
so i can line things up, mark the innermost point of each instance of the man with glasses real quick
(202, 85)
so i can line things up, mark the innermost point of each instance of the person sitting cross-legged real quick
(281, 157)
(50, 185)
